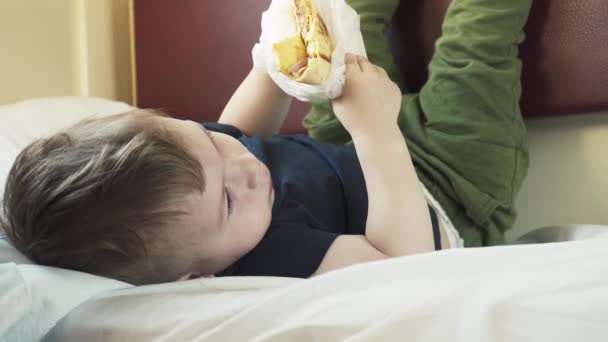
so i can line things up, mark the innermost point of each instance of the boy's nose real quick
(245, 171)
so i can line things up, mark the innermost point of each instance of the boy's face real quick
(232, 214)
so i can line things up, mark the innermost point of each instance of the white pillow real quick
(23, 122)
(34, 298)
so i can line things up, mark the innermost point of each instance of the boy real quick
(146, 198)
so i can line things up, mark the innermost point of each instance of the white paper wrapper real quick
(278, 23)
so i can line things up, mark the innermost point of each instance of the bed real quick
(556, 291)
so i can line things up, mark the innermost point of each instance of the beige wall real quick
(64, 47)
(568, 176)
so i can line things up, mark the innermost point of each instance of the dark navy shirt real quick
(320, 194)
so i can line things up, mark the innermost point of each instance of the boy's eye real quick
(228, 201)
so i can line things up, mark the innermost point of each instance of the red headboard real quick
(192, 54)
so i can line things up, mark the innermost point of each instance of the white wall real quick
(64, 47)
(568, 177)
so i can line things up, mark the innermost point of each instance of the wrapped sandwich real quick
(305, 57)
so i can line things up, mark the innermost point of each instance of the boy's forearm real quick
(398, 221)
(258, 106)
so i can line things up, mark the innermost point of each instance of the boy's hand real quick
(370, 101)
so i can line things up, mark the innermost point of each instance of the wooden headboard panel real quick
(192, 54)
(565, 54)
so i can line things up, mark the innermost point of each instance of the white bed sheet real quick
(551, 292)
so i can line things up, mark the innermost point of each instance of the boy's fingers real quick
(350, 58)
(365, 64)
(352, 62)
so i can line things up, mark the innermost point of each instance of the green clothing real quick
(464, 129)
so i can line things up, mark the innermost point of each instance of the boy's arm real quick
(258, 106)
(398, 221)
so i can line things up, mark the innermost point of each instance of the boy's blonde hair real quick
(96, 196)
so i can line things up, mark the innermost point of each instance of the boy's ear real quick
(194, 275)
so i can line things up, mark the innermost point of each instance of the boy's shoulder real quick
(223, 128)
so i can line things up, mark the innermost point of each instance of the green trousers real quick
(464, 129)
